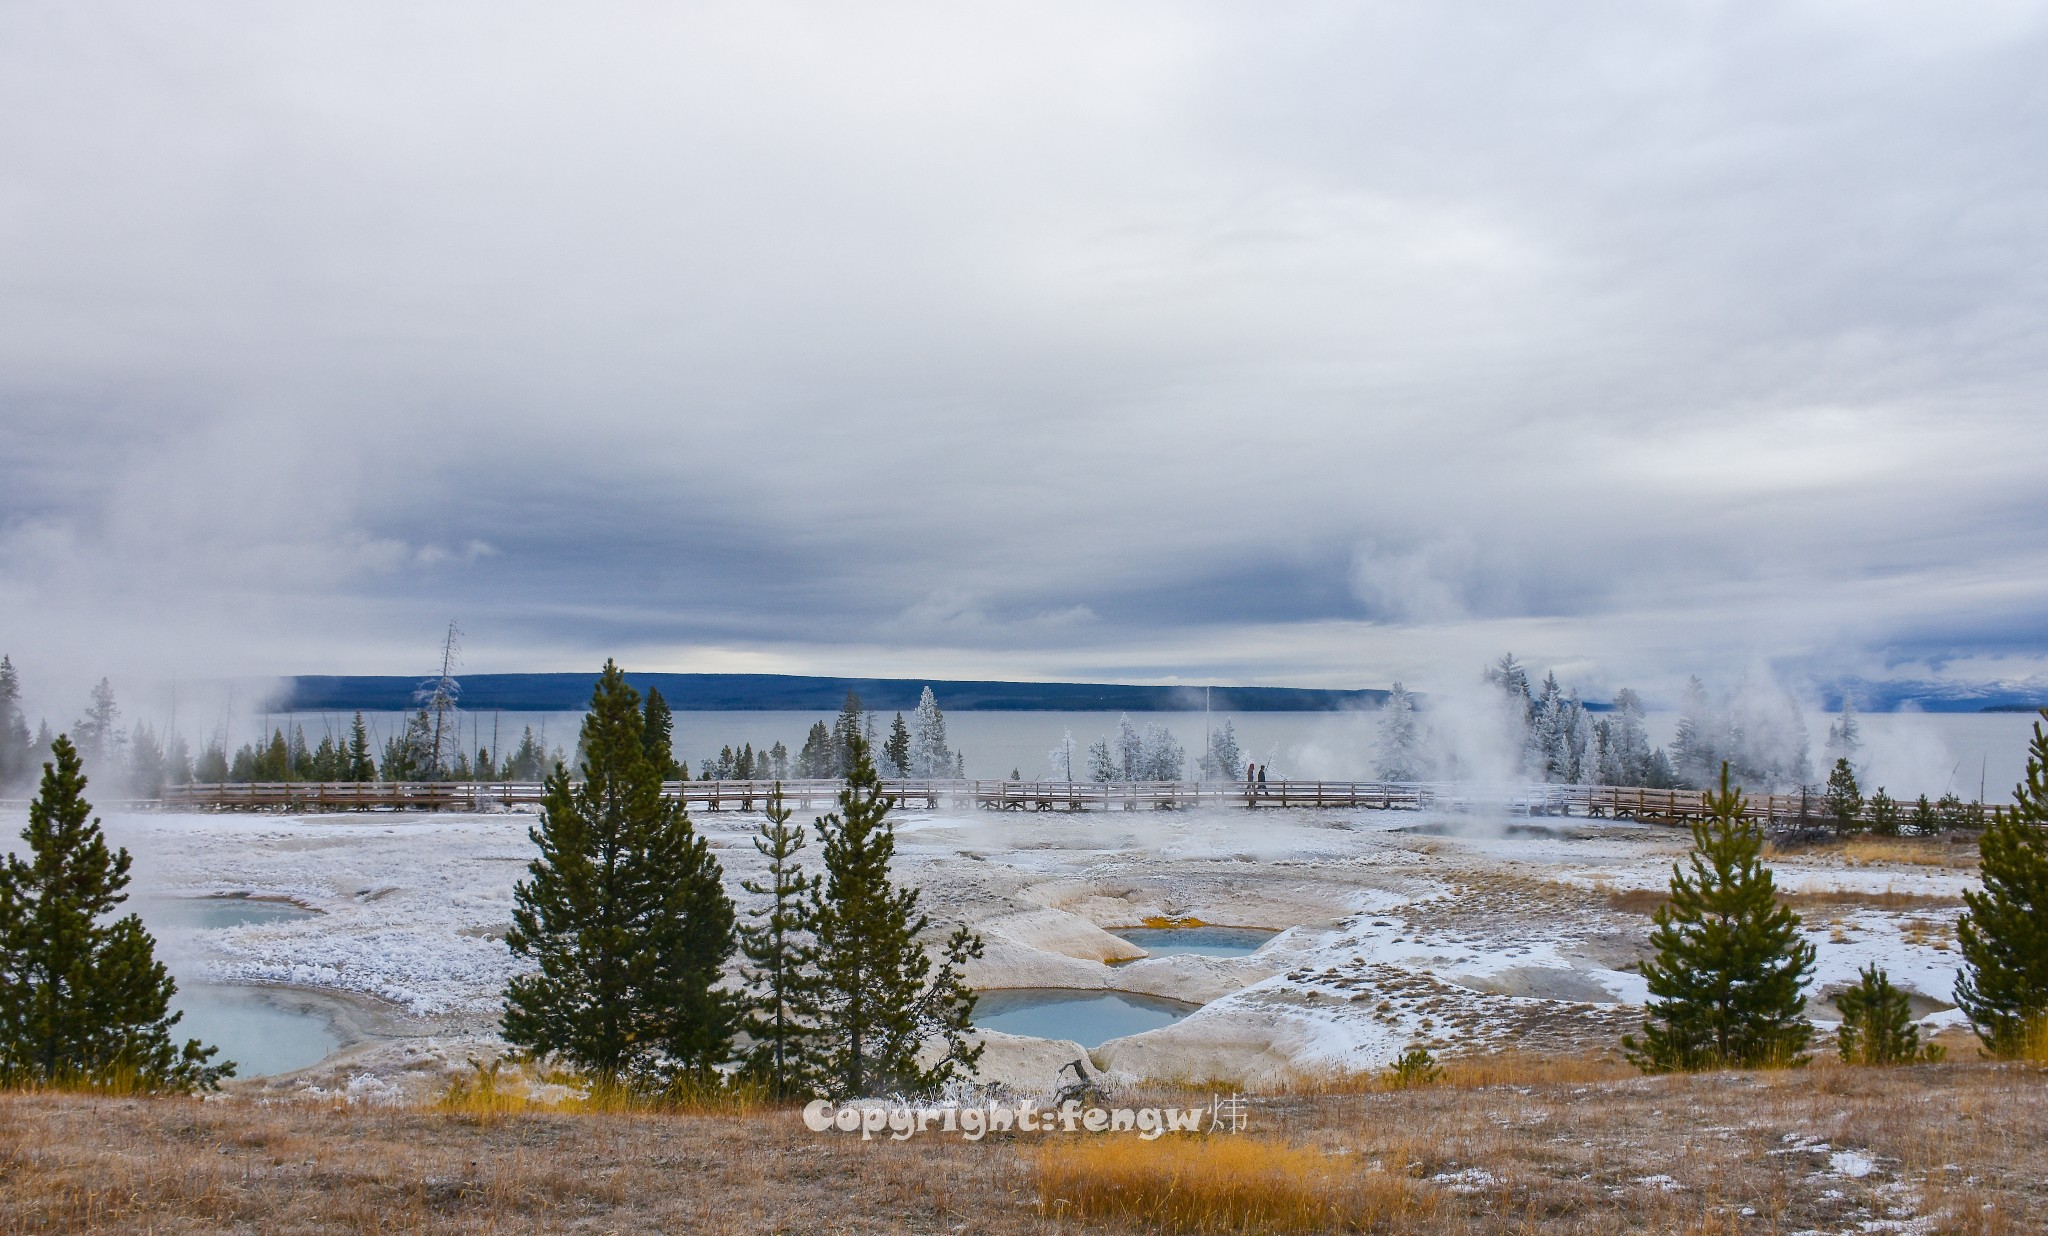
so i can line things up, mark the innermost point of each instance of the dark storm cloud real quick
(1327, 344)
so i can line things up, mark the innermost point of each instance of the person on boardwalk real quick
(1262, 778)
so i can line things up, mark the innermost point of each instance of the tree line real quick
(912, 748)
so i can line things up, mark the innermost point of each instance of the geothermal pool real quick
(1090, 1018)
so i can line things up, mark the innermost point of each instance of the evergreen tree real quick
(778, 761)
(1884, 814)
(817, 760)
(849, 726)
(657, 731)
(1697, 748)
(99, 737)
(1160, 757)
(83, 1000)
(1845, 737)
(879, 997)
(781, 968)
(177, 761)
(1397, 749)
(2003, 932)
(1626, 757)
(17, 748)
(361, 767)
(1130, 750)
(896, 752)
(1102, 765)
(929, 754)
(1729, 963)
(1877, 1024)
(1843, 801)
(624, 915)
(1517, 706)
(212, 766)
(1224, 760)
(145, 762)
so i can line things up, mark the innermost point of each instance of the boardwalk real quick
(1591, 801)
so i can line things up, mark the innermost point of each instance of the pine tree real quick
(657, 732)
(879, 997)
(82, 1000)
(1698, 746)
(1877, 1024)
(816, 760)
(1843, 801)
(17, 748)
(624, 914)
(1397, 750)
(781, 967)
(896, 752)
(1729, 963)
(845, 729)
(2003, 932)
(99, 737)
(929, 754)
(1102, 765)
(361, 767)
(145, 762)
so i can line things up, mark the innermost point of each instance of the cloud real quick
(1171, 341)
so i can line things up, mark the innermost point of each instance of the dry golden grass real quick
(1224, 1183)
(1870, 851)
(1646, 900)
(1533, 1146)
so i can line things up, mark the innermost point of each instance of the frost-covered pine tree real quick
(1397, 744)
(1161, 758)
(1102, 762)
(929, 754)
(1062, 758)
(1547, 749)
(1729, 965)
(1517, 706)
(1224, 760)
(1130, 750)
(2003, 934)
(1626, 757)
(1845, 736)
(1698, 748)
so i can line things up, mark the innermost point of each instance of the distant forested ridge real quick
(794, 693)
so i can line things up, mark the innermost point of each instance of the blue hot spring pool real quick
(264, 1030)
(1090, 1018)
(1197, 941)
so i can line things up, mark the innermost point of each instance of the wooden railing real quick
(809, 794)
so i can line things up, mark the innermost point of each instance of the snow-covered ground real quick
(1396, 927)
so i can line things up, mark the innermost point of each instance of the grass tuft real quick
(1221, 1184)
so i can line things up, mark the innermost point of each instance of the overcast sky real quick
(1294, 344)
